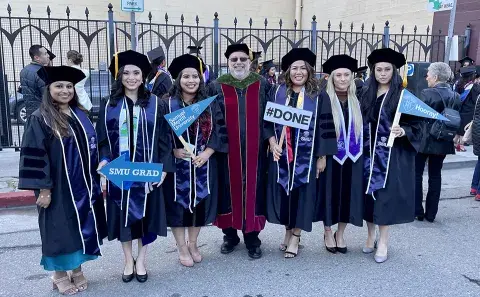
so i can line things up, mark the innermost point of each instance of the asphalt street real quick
(425, 259)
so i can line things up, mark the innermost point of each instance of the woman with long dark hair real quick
(58, 161)
(341, 186)
(131, 125)
(191, 193)
(389, 172)
(294, 167)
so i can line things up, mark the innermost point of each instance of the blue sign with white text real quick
(410, 104)
(121, 170)
(181, 119)
(410, 69)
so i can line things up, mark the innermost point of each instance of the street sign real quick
(440, 5)
(410, 69)
(121, 170)
(132, 5)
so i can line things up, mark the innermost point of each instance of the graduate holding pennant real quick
(298, 157)
(389, 171)
(131, 124)
(58, 160)
(191, 193)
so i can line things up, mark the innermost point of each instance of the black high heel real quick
(332, 250)
(342, 250)
(128, 278)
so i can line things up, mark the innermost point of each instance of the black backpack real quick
(446, 130)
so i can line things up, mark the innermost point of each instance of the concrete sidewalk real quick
(10, 196)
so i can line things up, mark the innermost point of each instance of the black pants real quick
(251, 239)
(435, 164)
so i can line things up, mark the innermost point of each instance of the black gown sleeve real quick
(268, 127)
(414, 128)
(325, 135)
(218, 140)
(162, 85)
(102, 137)
(34, 173)
(165, 148)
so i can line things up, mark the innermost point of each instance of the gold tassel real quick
(201, 67)
(405, 71)
(116, 65)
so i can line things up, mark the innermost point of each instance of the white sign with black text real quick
(287, 116)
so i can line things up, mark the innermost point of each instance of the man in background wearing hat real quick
(208, 74)
(159, 80)
(242, 96)
(360, 77)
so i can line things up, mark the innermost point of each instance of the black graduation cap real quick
(362, 69)
(185, 61)
(51, 74)
(257, 55)
(478, 70)
(156, 53)
(297, 54)
(268, 64)
(468, 70)
(193, 49)
(466, 59)
(238, 47)
(51, 56)
(387, 55)
(129, 58)
(340, 61)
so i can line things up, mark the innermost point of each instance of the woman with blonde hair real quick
(341, 187)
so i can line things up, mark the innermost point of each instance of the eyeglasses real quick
(235, 59)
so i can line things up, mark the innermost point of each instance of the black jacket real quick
(476, 126)
(468, 107)
(32, 87)
(433, 98)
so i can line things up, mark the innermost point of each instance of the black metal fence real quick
(98, 40)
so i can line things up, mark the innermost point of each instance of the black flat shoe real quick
(342, 250)
(332, 250)
(128, 278)
(430, 220)
(227, 247)
(142, 278)
(420, 218)
(255, 253)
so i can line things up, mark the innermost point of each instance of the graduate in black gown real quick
(159, 80)
(58, 160)
(389, 172)
(191, 193)
(295, 164)
(268, 71)
(341, 186)
(131, 125)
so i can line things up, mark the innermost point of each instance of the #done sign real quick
(288, 116)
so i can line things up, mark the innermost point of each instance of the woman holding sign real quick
(191, 193)
(341, 187)
(58, 161)
(298, 156)
(389, 171)
(130, 125)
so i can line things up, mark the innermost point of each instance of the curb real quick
(16, 199)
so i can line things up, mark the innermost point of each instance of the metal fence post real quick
(468, 35)
(386, 35)
(313, 42)
(111, 31)
(216, 44)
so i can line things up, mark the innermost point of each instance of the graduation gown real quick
(191, 194)
(390, 178)
(145, 217)
(162, 84)
(341, 187)
(292, 185)
(75, 219)
(242, 172)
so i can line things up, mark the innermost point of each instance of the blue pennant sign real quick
(181, 119)
(410, 104)
(121, 170)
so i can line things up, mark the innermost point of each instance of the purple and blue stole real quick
(348, 145)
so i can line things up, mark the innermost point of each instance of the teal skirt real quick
(66, 262)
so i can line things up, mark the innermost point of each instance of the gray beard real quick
(240, 77)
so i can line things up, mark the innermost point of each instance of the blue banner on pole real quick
(121, 170)
(181, 119)
(410, 104)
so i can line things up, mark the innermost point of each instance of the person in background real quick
(361, 74)
(256, 66)
(51, 56)
(438, 96)
(466, 61)
(468, 90)
(74, 59)
(208, 74)
(191, 193)
(268, 71)
(322, 81)
(389, 172)
(31, 84)
(159, 81)
(131, 125)
(58, 161)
